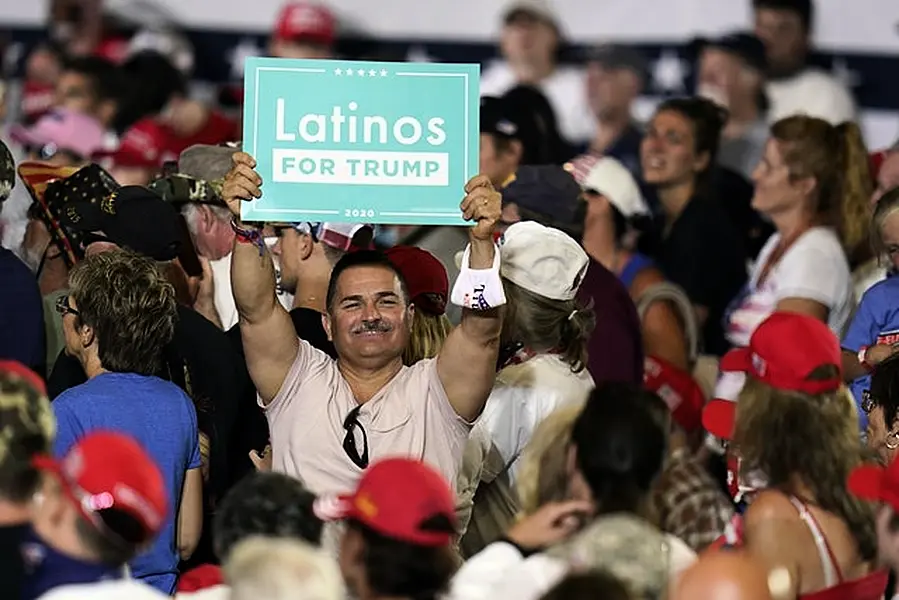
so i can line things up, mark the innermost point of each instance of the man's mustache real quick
(374, 326)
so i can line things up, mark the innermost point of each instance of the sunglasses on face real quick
(63, 307)
(351, 424)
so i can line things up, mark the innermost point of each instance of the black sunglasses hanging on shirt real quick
(350, 423)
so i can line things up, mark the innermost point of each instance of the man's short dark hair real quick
(121, 538)
(403, 570)
(621, 443)
(361, 258)
(267, 504)
(804, 8)
(104, 77)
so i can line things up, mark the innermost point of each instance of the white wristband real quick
(478, 289)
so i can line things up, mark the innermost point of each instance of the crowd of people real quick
(661, 360)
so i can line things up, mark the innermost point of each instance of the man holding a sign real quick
(330, 418)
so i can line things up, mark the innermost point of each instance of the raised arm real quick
(270, 342)
(466, 364)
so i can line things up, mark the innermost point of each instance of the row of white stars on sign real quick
(361, 72)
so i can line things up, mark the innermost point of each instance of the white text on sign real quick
(360, 167)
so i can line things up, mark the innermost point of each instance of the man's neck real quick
(532, 72)
(365, 382)
(311, 295)
(611, 126)
(54, 276)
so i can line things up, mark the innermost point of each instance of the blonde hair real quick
(885, 207)
(427, 337)
(836, 157)
(281, 569)
(542, 474)
(788, 434)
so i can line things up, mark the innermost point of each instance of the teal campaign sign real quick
(350, 141)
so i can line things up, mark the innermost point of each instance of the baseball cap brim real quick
(866, 482)
(718, 418)
(25, 136)
(738, 360)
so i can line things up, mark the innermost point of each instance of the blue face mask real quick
(46, 568)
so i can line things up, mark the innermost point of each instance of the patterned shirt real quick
(689, 504)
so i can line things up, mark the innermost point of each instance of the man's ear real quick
(326, 323)
(305, 246)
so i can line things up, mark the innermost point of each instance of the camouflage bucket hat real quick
(26, 419)
(7, 171)
(180, 189)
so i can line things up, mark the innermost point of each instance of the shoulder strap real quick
(673, 293)
(832, 573)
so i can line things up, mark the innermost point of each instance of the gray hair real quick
(209, 163)
(282, 569)
(191, 212)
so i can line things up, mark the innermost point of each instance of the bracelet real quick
(248, 236)
(863, 358)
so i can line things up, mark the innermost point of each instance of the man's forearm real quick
(252, 281)
(481, 254)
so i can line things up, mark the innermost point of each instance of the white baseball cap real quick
(612, 179)
(542, 260)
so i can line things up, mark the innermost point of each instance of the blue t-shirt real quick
(163, 420)
(22, 335)
(876, 322)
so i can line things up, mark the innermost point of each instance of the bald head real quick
(723, 575)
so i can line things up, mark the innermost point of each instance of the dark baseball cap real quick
(501, 117)
(131, 217)
(548, 191)
(742, 44)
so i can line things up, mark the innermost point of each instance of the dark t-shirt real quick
(12, 567)
(616, 346)
(253, 432)
(21, 314)
(703, 253)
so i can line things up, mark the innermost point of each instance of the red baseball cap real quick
(876, 483)
(105, 470)
(678, 389)
(782, 353)
(305, 21)
(395, 497)
(424, 274)
(142, 145)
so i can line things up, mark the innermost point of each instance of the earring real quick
(895, 443)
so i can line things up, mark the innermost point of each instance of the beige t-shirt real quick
(410, 416)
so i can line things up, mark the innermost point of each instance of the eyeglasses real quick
(351, 423)
(868, 403)
(63, 308)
